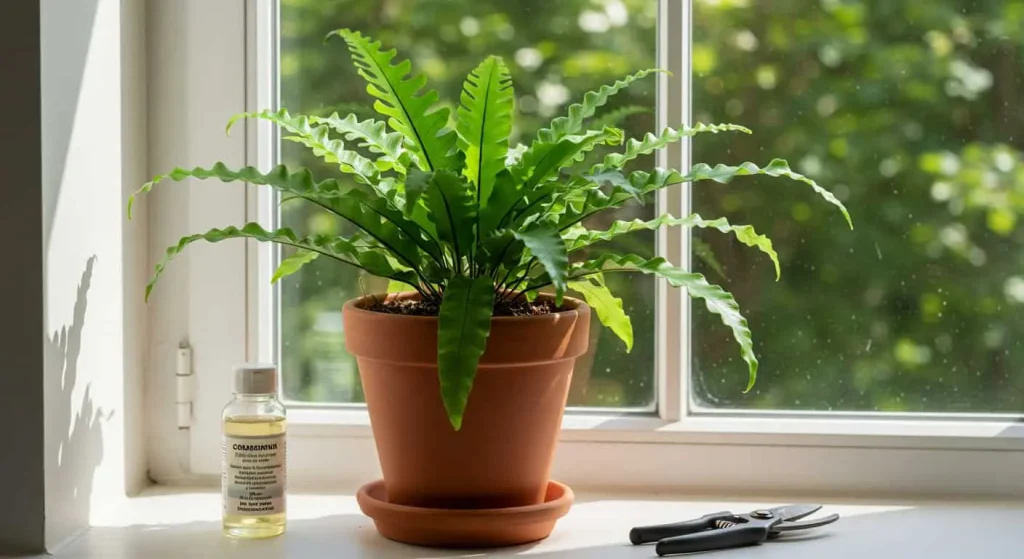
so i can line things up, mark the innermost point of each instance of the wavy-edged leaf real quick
(416, 183)
(717, 300)
(299, 184)
(372, 135)
(453, 211)
(344, 250)
(617, 116)
(505, 196)
(543, 160)
(485, 123)
(464, 323)
(651, 143)
(528, 213)
(405, 198)
(318, 140)
(534, 172)
(410, 112)
(293, 264)
(614, 178)
(568, 195)
(547, 246)
(501, 249)
(607, 306)
(402, 236)
(580, 238)
(775, 168)
(578, 112)
(363, 208)
(641, 183)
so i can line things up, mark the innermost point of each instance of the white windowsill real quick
(805, 429)
(176, 522)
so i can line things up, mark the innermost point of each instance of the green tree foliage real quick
(912, 113)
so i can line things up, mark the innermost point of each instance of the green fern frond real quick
(651, 143)
(485, 123)
(400, 97)
(373, 135)
(592, 100)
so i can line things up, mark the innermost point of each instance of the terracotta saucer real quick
(464, 527)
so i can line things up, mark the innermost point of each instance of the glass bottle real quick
(254, 448)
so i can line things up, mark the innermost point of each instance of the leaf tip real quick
(346, 35)
(331, 34)
(131, 202)
(753, 377)
(232, 121)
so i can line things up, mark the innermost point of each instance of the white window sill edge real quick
(185, 522)
(854, 430)
(890, 458)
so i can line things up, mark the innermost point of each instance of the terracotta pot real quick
(502, 455)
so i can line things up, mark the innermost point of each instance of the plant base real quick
(464, 528)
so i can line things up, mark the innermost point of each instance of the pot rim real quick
(353, 306)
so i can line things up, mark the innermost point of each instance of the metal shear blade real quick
(805, 525)
(725, 529)
(790, 513)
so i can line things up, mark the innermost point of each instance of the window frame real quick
(683, 447)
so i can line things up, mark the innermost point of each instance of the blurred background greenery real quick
(911, 112)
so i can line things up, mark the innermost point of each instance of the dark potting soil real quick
(518, 307)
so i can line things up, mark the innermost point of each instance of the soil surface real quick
(518, 307)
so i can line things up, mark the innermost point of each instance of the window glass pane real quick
(556, 51)
(911, 112)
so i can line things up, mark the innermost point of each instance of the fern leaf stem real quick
(339, 259)
(522, 278)
(383, 243)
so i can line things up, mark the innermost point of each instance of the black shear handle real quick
(648, 534)
(734, 536)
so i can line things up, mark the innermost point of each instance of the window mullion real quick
(673, 109)
(262, 151)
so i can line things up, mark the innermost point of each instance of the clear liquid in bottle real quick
(254, 464)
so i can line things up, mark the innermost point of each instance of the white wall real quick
(93, 99)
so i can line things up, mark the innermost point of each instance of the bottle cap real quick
(256, 379)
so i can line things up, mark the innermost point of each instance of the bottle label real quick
(253, 480)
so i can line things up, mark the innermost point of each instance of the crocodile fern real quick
(444, 205)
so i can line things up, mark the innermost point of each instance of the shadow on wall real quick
(74, 443)
(67, 29)
(74, 439)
